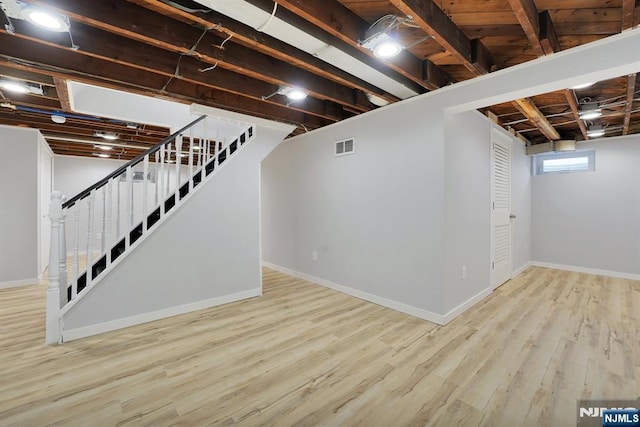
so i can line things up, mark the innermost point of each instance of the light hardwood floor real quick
(306, 355)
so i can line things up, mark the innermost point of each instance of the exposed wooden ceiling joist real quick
(543, 38)
(436, 23)
(268, 45)
(174, 36)
(101, 71)
(531, 111)
(631, 88)
(346, 26)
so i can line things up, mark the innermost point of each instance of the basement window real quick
(575, 161)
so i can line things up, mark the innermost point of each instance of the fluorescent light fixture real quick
(47, 20)
(107, 135)
(293, 93)
(583, 85)
(14, 86)
(103, 147)
(102, 155)
(595, 131)
(590, 110)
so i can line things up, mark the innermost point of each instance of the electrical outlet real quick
(314, 256)
(464, 272)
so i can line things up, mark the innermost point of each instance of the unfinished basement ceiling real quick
(190, 52)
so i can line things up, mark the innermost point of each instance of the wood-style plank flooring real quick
(306, 355)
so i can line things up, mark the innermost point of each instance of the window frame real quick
(538, 161)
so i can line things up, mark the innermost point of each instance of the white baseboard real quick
(578, 269)
(86, 331)
(19, 283)
(457, 311)
(385, 302)
(521, 269)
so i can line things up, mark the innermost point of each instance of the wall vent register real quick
(345, 146)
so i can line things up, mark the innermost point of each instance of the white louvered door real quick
(501, 264)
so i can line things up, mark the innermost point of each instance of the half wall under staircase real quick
(174, 230)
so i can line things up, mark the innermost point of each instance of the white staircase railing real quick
(118, 212)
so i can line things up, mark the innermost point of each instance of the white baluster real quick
(117, 181)
(103, 240)
(63, 253)
(157, 156)
(76, 246)
(168, 172)
(208, 149)
(161, 177)
(129, 199)
(190, 173)
(107, 236)
(90, 224)
(54, 294)
(178, 163)
(145, 192)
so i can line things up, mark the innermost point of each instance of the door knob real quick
(512, 216)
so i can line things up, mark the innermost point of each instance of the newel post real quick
(54, 334)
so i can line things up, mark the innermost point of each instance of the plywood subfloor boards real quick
(306, 355)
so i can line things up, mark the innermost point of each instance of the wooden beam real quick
(174, 36)
(63, 94)
(345, 26)
(628, 14)
(93, 70)
(527, 15)
(631, 88)
(548, 35)
(433, 21)
(573, 104)
(110, 47)
(264, 43)
(527, 107)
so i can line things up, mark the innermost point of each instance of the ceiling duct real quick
(257, 18)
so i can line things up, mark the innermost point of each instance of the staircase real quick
(112, 217)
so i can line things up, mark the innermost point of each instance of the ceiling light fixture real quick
(382, 39)
(583, 85)
(57, 118)
(595, 131)
(102, 155)
(103, 147)
(14, 86)
(47, 20)
(18, 86)
(106, 135)
(291, 92)
(376, 100)
(383, 45)
(589, 110)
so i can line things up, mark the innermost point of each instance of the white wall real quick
(590, 219)
(21, 208)
(520, 206)
(45, 187)
(467, 202)
(208, 251)
(375, 218)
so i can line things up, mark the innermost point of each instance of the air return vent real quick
(346, 146)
